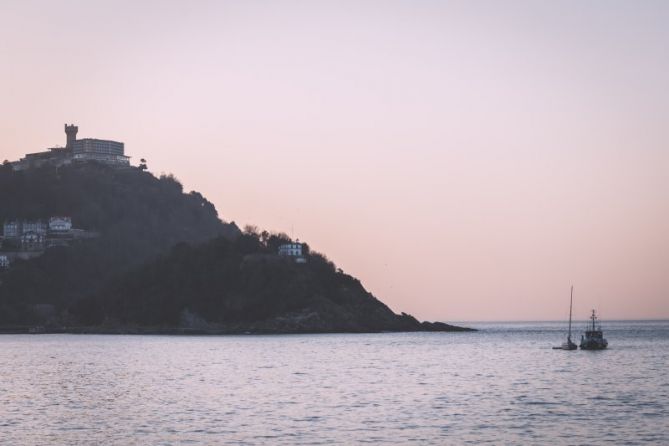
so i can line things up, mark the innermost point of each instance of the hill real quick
(236, 286)
(136, 215)
(163, 262)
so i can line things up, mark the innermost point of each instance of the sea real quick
(501, 385)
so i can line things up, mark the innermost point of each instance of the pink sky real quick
(465, 160)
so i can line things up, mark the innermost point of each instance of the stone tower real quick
(71, 132)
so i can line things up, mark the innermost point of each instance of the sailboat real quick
(569, 345)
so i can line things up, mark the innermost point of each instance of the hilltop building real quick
(77, 150)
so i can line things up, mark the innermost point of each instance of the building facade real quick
(11, 229)
(32, 241)
(77, 150)
(35, 226)
(100, 150)
(60, 224)
(37, 235)
(291, 249)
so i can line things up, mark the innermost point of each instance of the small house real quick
(291, 249)
(11, 229)
(34, 227)
(294, 251)
(32, 240)
(60, 224)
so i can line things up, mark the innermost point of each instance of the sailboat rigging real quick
(569, 345)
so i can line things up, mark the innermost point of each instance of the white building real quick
(36, 227)
(12, 229)
(16, 229)
(32, 241)
(60, 224)
(291, 249)
(87, 149)
(4, 262)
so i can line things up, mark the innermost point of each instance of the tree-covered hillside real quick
(241, 285)
(163, 262)
(137, 215)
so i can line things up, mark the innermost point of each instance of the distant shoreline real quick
(205, 332)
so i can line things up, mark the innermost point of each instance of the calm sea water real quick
(503, 385)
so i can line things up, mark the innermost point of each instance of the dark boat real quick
(593, 339)
(569, 345)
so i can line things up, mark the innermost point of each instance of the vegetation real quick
(165, 261)
(137, 215)
(238, 286)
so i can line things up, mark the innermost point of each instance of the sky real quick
(466, 160)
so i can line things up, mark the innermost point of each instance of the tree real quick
(136, 215)
(264, 237)
(251, 230)
(142, 165)
(6, 166)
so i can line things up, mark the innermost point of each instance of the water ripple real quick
(503, 385)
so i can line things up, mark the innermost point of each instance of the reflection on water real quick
(503, 385)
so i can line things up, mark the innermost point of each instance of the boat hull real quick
(562, 347)
(594, 344)
(567, 346)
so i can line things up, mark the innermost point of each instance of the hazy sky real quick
(466, 160)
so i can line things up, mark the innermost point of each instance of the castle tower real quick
(71, 132)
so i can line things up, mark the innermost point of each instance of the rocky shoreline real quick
(258, 328)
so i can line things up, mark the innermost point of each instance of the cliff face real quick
(136, 216)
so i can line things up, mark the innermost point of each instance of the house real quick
(11, 229)
(30, 234)
(291, 249)
(37, 235)
(32, 241)
(36, 226)
(60, 224)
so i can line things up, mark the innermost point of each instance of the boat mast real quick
(593, 320)
(571, 298)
